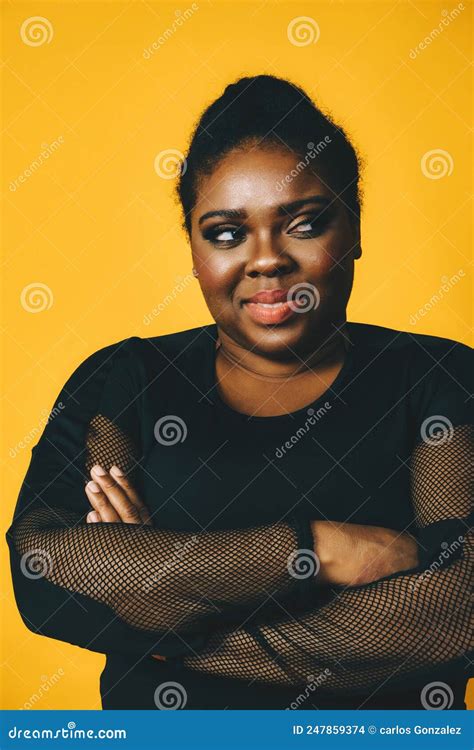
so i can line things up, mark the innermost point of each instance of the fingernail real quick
(93, 517)
(117, 471)
(93, 486)
(99, 470)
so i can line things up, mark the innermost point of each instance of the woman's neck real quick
(323, 354)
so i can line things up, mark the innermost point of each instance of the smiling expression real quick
(249, 236)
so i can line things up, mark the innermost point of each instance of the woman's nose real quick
(267, 256)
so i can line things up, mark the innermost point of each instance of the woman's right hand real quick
(354, 554)
(114, 499)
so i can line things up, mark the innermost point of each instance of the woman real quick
(276, 505)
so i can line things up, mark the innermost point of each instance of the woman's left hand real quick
(114, 499)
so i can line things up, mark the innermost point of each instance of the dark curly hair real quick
(262, 111)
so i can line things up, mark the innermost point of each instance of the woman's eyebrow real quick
(226, 213)
(288, 208)
(284, 208)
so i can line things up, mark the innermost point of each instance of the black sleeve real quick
(376, 635)
(124, 587)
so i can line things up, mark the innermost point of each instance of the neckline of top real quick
(330, 394)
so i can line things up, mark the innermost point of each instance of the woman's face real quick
(252, 230)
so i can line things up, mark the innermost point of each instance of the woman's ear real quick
(356, 247)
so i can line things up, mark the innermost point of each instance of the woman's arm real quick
(126, 585)
(159, 580)
(108, 586)
(366, 637)
(344, 554)
(123, 586)
(377, 634)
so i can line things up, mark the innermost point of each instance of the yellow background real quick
(100, 228)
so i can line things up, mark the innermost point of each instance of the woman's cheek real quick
(218, 277)
(317, 266)
(330, 269)
(338, 281)
(218, 296)
(221, 308)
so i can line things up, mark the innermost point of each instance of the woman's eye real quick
(306, 226)
(310, 227)
(227, 235)
(224, 235)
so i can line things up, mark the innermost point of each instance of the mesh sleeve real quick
(117, 586)
(374, 636)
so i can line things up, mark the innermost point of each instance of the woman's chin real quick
(271, 339)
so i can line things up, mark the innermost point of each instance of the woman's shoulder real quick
(139, 358)
(190, 339)
(185, 349)
(422, 364)
(167, 344)
(414, 348)
(129, 364)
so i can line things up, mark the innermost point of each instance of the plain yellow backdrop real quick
(92, 236)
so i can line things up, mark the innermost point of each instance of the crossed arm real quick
(157, 580)
(394, 625)
(117, 583)
(367, 635)
(363, 639)
(397, 616)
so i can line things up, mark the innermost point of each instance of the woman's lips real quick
(271, 314)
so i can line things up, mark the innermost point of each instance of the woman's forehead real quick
(258, 178)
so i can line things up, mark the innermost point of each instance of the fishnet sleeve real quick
(119, 586)
(375, 635)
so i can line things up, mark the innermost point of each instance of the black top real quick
(225, 583)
